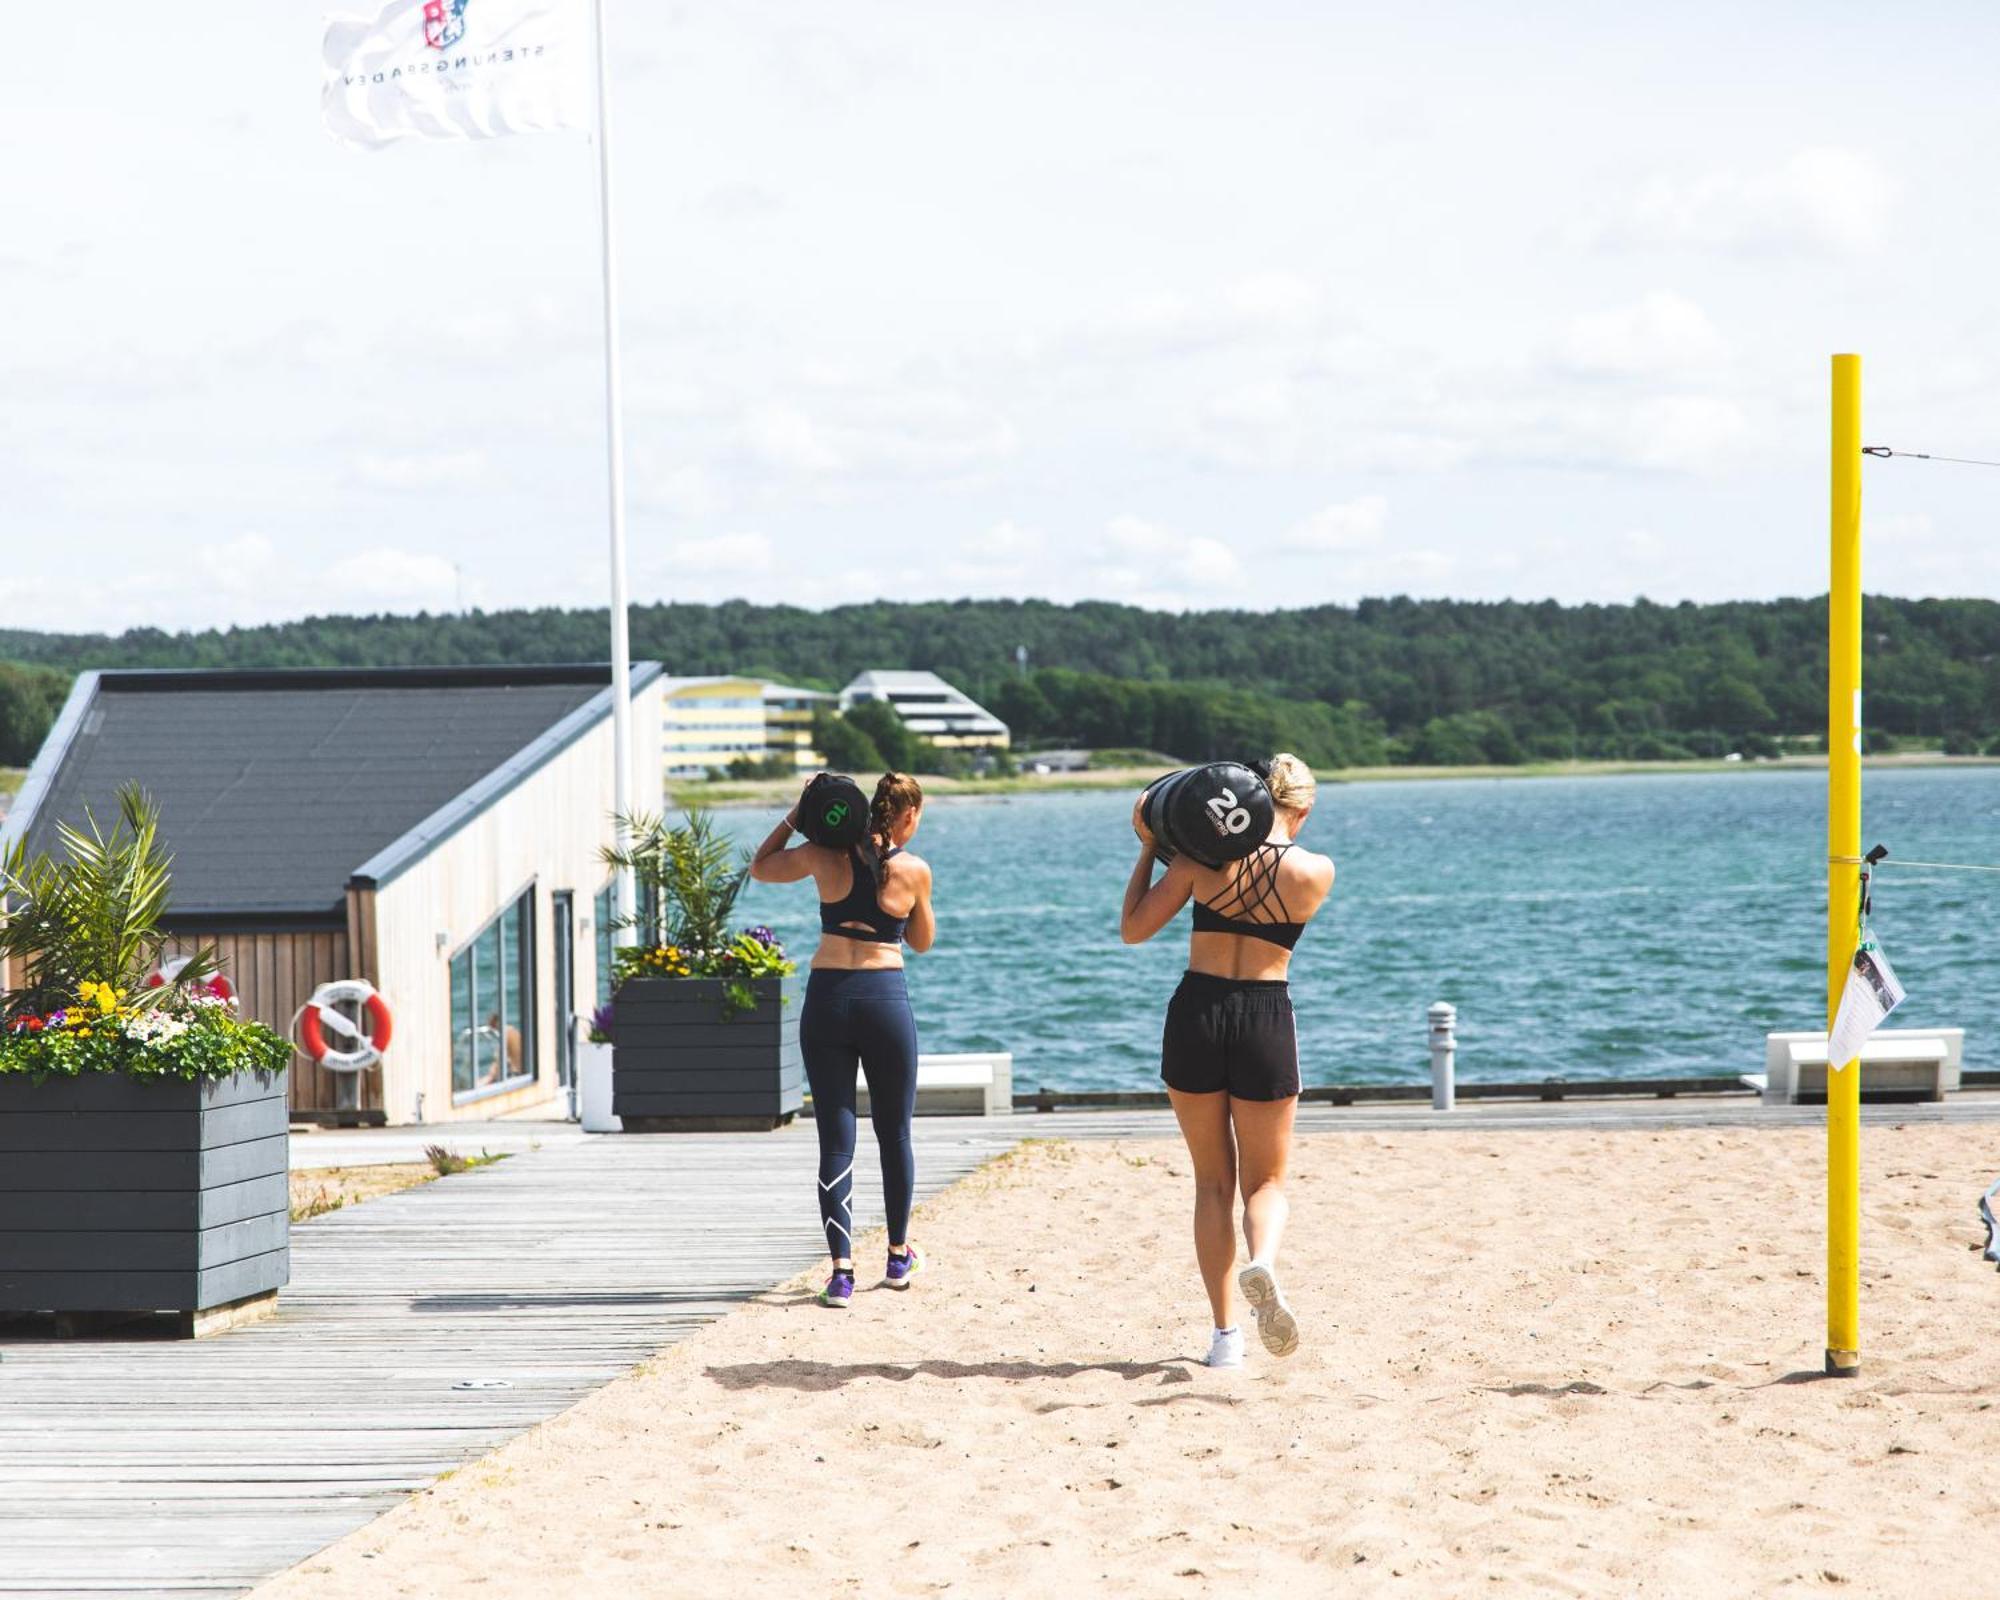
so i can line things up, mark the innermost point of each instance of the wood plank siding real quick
(542, 836)
(274, 974)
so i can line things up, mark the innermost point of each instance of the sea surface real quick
(1647, 926)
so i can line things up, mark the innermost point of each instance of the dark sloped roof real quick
(274, 787)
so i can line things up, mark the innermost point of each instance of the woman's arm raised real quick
(774, 863)
(1150, 906)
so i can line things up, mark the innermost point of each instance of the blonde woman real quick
(1230, 1055)
(874, 898)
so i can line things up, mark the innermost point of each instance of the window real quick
(602, 927)
(493, 1004)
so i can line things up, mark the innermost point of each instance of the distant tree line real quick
(30, 697)
(1396, 680)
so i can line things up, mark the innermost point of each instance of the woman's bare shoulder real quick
(1311, 866)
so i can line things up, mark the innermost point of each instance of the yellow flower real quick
(83, 1033)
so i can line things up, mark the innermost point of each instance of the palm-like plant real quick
(92, 913)
(689, 877)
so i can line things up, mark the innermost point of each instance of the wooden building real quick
(434, 831)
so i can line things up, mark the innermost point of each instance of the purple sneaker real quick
(902, 1268)
(839, 1290)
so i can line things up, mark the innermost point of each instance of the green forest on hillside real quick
(1397, 680)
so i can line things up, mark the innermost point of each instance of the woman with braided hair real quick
(874, 897)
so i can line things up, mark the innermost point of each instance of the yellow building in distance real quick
(712, 721)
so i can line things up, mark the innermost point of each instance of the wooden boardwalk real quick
(143, 1467)
(162, 1468)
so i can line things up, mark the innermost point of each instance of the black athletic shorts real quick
(1232, 1034)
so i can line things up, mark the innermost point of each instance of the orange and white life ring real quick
(360, 1048)
(217, 983)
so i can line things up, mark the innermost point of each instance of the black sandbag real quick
(833, 811)
(1217, 813)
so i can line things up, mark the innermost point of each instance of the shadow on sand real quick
(818, 1377)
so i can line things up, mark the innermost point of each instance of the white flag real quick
(456, 69)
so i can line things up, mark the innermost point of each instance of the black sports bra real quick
(861, 905)
(1252, 893)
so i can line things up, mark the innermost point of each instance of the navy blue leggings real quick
(850, 1019)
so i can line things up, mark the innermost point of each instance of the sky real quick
(1176, 303)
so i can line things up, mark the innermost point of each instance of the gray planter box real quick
(677, 1065)
(122, 1194)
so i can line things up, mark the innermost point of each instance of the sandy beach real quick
(1540, 1363)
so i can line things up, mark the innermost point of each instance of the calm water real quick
(1591, 927)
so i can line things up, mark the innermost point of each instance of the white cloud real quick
(691, 490)
(745, 554)
(1371, 448)
(1346, 526)
(784, 437)
(1004, 559)
(240, 566)
(1258, 309)
(1683, 432)
(1208, 563)
(446, 469)
(1660, 335)
(1136, 536)
(1822, 199)
(387, 579)
(1282, 301)
(1253, 425)
(741, 202)
(1153, 565)
(885, 429)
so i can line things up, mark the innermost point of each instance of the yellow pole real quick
(1843, 839)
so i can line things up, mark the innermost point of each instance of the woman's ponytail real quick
(895, 796)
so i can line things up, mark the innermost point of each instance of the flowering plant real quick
(189, 1034)
(651, 961)
(85, 930)
(754, 953)
(600, 1024)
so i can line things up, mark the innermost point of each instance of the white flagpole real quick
(614, 434)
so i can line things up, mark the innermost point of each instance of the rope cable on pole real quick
(1892, 861)
(1882, 452)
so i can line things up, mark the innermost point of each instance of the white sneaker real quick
(1226, 1348)
(1276, 1325)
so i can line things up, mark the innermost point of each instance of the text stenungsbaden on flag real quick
(456, 69)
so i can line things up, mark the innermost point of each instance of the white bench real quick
(962, 1085)
(1908, 1063)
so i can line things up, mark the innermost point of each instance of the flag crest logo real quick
(444, 22)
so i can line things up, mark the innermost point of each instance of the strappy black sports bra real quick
(1246, 905)
(861, 905)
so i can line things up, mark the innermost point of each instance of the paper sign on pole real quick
(456, 69)
(1869, 995)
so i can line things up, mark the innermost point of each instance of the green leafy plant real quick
(445, 1162)
(91, 914)
(84, 930)
(689, 878)
(754, 953)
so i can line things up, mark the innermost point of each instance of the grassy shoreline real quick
(765, 792)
